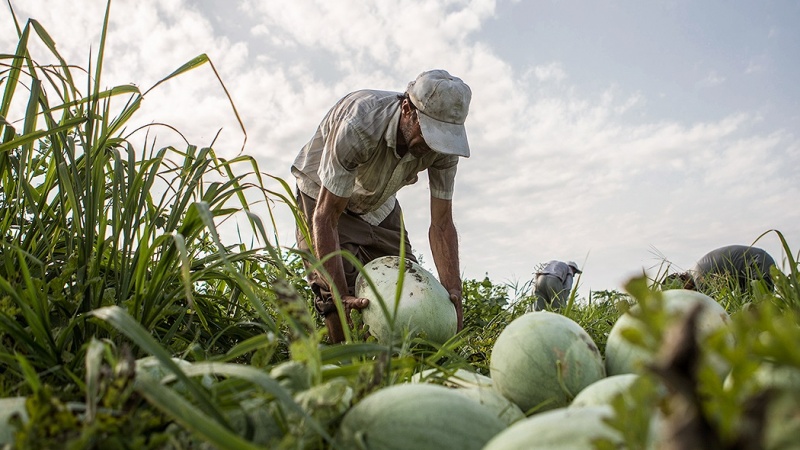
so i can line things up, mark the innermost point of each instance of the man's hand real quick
(455, 297)
(350, 303)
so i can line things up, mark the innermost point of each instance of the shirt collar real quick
(391, 131)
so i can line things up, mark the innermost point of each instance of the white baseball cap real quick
(443, 103)
(574, 266)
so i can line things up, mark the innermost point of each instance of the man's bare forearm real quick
(443, 239)
(444, 247)
(326, 241)
(326, 237)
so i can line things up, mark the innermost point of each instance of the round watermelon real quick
(562, 428)
(541, 360)
(475, 386)
(423, 306)
(602, 391)
(417, 416)
(623, 356)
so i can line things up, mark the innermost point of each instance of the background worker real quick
(553, 284)
(738, 264)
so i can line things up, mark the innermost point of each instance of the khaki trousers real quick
(550, 292)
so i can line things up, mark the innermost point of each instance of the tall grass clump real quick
(94, 217)
(88, 219)
(110, 254)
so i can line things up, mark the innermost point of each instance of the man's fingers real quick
(357, 302)
(455, 298)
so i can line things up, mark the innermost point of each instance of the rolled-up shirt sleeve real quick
(442, 177)
(341, 156)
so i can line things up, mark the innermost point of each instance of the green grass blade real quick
(249, 345)
(27, 139)
(12, 79)
(333, 354)
(194, 63)
(51, 45)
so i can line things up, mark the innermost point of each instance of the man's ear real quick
(405, 106)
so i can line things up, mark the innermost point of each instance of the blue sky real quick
(616, 134)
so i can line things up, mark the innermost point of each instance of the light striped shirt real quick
(559, 270)
(354, 154)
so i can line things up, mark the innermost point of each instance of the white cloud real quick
(553, 71)
(753, 67)
(712, 79)
(773, 32)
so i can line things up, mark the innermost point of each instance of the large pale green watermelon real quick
(417, 416)
(489, 398)
(559, 429)
(625, 357)
(602, 391)
(8, 407)
(475, 386)
(542, 360)
(424, 305)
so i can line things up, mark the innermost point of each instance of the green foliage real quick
(764, 333)
(483, 301)
(487, 311)
(88, 220)
(787, 285)
(629, 421)
(114, 415)
(599, 313)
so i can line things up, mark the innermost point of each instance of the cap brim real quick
(443, 137)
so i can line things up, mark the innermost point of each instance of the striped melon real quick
(624, 357)
(417, 416)
(602, 391)
(562, 428)
(542, 360)
(8, 407)
(423, 307)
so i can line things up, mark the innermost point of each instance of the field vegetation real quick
(127, 322)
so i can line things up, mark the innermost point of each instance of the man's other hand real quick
(350, 302)
(455, 298)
